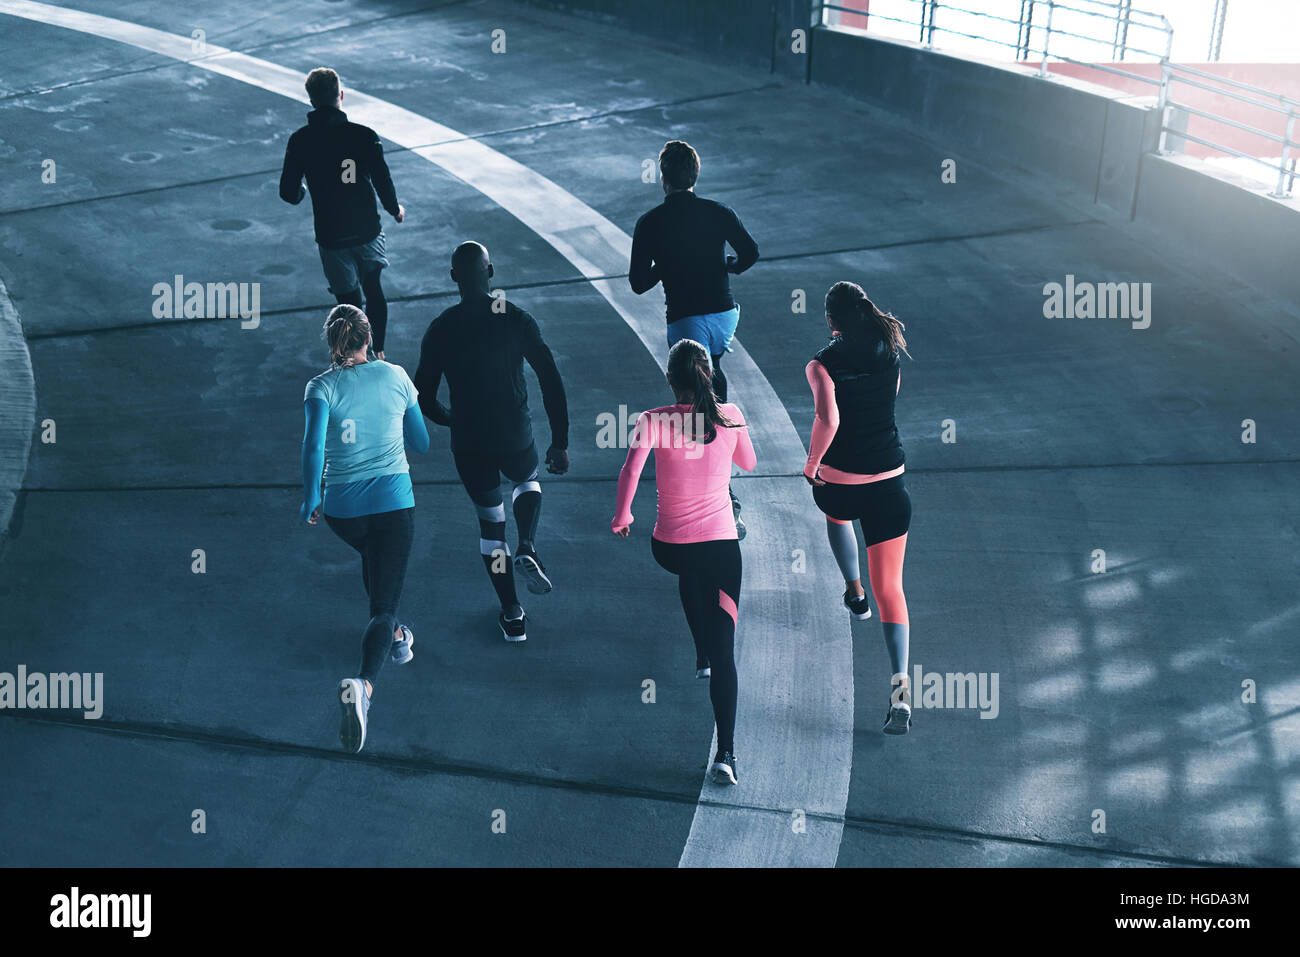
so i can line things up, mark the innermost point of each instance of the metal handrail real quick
(955, 33)
(1225, 149)
(928, 28)
(1106, 69)
(1285, 106)
(1122, 15)
(1245, 128)
(1262, 104)
(1131, 10)
(1228, 81)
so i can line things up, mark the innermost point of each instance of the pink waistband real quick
(853, 478)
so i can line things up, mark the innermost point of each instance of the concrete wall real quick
(1255, 238)
(1097, 141)
(1089, 141)
(740, 32)
(751, 33)
(1093, 140)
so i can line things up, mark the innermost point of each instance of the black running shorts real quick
(480, 472)
(884, 508)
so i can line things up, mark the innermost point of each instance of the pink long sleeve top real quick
(691, 477)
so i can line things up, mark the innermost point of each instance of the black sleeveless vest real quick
(866, 381)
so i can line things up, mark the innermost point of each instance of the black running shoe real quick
(723, 768)
(858, 606)
(514, 629)
(899, 717)
(532, 571)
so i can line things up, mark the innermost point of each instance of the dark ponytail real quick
(347, 330)
(855, 316)
(690, 375)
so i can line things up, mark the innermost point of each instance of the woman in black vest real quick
(855, 465)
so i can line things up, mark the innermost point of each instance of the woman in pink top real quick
(695, 442)
(855, 465)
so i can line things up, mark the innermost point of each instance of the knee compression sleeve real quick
(496, 553)
(491, 520)
(527, 504)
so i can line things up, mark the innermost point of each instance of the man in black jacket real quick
(480, 345)
(345, 168)
(682, 243)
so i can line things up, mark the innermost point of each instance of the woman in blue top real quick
(361, 416)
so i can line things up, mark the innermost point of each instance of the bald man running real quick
(480, 345)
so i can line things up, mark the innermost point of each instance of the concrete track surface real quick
(1119, 691)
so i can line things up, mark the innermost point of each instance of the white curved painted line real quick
(795, 722)
(18, 403)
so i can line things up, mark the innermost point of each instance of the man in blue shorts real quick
(682, 243)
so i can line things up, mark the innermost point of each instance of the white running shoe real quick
(354, 704)
(402, 652)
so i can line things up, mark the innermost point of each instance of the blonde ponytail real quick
(347, 330)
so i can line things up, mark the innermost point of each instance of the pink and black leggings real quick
(708, 579)
(884, 509)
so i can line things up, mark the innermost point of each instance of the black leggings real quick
(376, 305)
(719, 379)
(384, 543)
(708, 579)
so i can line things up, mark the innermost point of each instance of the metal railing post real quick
(1022, 36)
(1166, 79)
(1123, 12)
(1047, 38)
(1128, 22)
(1216, 28)
(1162, 105)
(929, 28)
(1280, 192)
